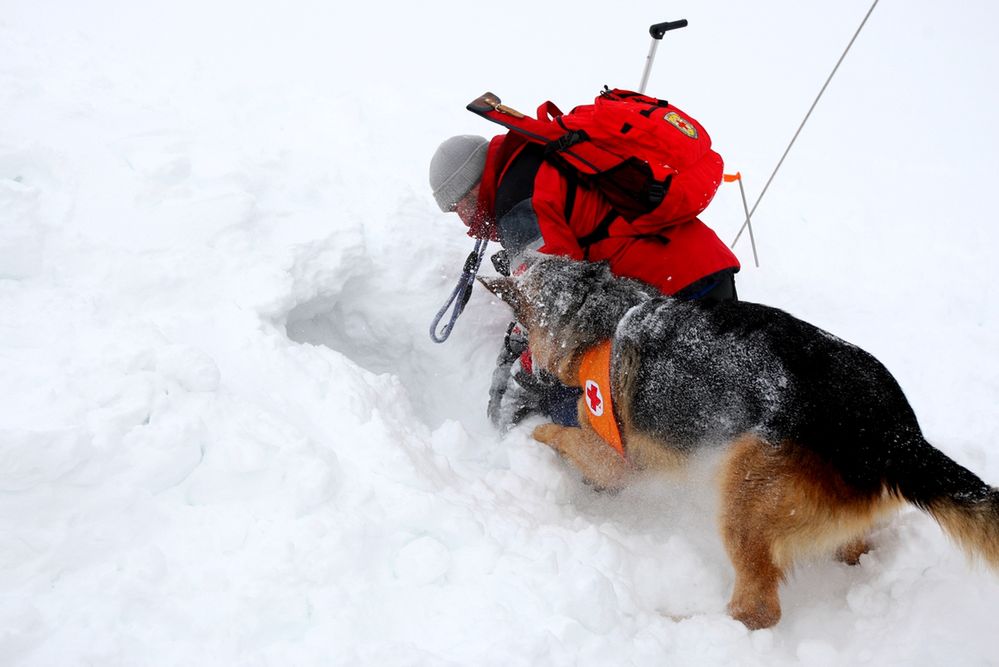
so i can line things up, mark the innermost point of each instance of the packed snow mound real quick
(225, 437)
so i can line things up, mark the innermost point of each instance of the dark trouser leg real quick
(560, 403)
(716, 287)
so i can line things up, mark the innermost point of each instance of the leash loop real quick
(460, 294)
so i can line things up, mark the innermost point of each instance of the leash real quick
(460, 294)
(800, 127)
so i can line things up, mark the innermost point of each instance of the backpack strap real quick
(602, 232)
(599, 233)
(548, 111)
(572, 147)
(571, 185)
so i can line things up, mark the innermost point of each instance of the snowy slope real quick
(225, 437)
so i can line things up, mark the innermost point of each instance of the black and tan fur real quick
(819, 440)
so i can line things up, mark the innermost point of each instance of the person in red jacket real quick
(505, 191)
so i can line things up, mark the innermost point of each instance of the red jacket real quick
(685, 251)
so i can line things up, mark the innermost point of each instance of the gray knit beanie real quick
(456, 167)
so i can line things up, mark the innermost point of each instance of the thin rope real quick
(807, 115)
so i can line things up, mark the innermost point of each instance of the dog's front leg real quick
(600, 463)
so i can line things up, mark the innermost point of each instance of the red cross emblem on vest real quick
(594, 399)
(594, 373)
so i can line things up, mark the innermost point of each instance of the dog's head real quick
(567, 307)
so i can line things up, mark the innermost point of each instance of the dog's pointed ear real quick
(505, 288)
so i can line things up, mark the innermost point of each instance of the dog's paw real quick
(755, 614)
(601, 465)
(547, 433)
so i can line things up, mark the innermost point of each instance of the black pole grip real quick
(659, 29)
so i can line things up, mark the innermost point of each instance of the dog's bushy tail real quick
(965, 507)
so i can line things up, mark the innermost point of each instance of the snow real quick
(225, 437)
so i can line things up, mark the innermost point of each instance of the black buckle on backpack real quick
(657, 190)
(566, 141)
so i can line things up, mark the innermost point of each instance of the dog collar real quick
(594, 378)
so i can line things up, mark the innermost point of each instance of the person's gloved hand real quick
(514, 392)
(517, 391)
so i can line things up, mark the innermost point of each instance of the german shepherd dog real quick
(818, 441)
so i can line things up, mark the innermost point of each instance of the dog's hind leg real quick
(748, 521)
(781, 502)
(600, 463)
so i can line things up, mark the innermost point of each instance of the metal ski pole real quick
(657, 31)
(737, 176)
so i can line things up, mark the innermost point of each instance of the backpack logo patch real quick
(681, 123)
(594, 398)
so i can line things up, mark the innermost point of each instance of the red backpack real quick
(650, 160)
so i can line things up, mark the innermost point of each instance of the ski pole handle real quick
(659, 29)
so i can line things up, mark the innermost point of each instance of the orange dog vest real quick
(594, 378)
